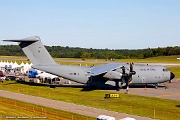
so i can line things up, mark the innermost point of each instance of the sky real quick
(100, 24)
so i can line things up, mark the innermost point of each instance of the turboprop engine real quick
(123, 75)
(113, 75)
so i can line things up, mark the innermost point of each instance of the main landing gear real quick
(157, 85)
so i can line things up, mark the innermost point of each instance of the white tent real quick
(15, 65)
(6, 63)
(1, 64)
(22, 64)
(27, 66)
(11, 63)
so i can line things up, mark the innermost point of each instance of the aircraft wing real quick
(97, 70)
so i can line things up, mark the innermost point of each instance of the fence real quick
(39, 111)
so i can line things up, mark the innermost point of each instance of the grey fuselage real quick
(145, 74)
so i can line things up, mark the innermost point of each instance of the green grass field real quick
(131, 104)
(14, 109)
(160, 59)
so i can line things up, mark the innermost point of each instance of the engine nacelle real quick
(113, 75)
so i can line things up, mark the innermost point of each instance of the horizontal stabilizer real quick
(29, 39)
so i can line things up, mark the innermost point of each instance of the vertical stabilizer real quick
(35, 50)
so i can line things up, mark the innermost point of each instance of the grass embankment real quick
(160, 59)
(143, 106)
(14, 109)
(89, 62)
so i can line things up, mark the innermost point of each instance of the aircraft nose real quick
(172, 76)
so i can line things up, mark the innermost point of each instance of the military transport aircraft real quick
(112, 74)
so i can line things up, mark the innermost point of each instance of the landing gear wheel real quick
(117, 86)
(165, 85)
(127, 90)
(118, 89)
(156, 86)
(52, 86)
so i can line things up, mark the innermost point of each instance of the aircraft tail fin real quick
(34, 50)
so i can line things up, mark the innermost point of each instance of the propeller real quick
(127, 77)
(131, 72)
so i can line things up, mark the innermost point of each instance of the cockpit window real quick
(165, 69)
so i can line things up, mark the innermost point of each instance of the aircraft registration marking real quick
(148, 69)
(73, 73)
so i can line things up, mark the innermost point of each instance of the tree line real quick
(84, 53)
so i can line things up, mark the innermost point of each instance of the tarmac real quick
(172, 92)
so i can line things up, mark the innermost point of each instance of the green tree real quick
(85, 55)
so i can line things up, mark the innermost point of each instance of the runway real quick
(79, 109)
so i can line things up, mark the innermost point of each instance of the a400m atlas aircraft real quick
(112, 74)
